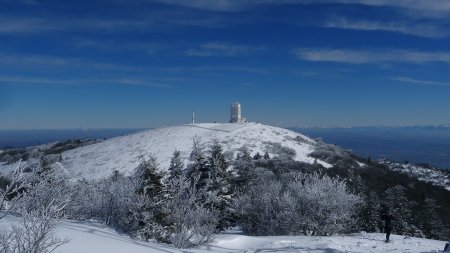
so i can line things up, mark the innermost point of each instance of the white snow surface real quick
(92, 237)
(121, 153)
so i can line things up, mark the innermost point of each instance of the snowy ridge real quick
(121, 153)
(429, 174)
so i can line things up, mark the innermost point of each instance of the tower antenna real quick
(193, 116)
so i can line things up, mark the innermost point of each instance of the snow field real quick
(92, 237)
(121, 153)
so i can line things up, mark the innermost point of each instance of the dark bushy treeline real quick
(419, 208)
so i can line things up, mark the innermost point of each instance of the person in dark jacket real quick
(387, 217)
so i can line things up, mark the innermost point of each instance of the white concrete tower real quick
(236, 116)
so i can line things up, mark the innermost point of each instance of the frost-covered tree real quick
(369, 213)
(150, 178)
(42, 187)
(324, 204)
(199, 168)
(176, 165)
(190, 221)
(41, 206)
(115, 200)
(401, 208)
(244, 170)
(218, 185)
(257, 156)
(44, 164)
(308, 204)
(266, 209)
(430, 223)
(11, 193)
(34, 232)
(210, 171)
(150, 181)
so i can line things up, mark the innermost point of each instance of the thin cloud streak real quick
(14, 80)
(420, 82)
(420, 30)
(222, 49)
(51, 62)
(361, 56)
(24, 25)
(431, 8)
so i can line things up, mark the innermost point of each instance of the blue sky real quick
(148, 63)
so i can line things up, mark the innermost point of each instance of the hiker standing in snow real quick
(387, 217)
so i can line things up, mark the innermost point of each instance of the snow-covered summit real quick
(121, 153)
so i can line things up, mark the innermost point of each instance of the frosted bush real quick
(307, 204)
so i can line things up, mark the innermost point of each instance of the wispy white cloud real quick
(419, 82)
(36, 60)
(206, 69)
(421, 30)
(14, 80)
(17, 80)
(212, 5)
(160, 20)
(367, 56)
(138, 82)
(31, 25)
(54, 63)
(222, 49)
(432, 8)
(25, 25)
(120, 45)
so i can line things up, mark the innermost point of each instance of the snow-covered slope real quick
(121, 153)
(435, 176)
(91, 237)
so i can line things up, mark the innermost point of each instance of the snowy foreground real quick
(94, 237)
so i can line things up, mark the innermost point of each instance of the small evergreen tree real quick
(150, 185)
(218, 165)
(150, 178)
(199, 168)
(244, 170)
(266, 155)
(218, 183)
(370, 211)
(176, 165)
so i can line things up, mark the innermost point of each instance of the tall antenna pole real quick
(193, 116)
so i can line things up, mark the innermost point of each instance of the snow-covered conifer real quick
(244, 170)
(176, 165)
(150, 178)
